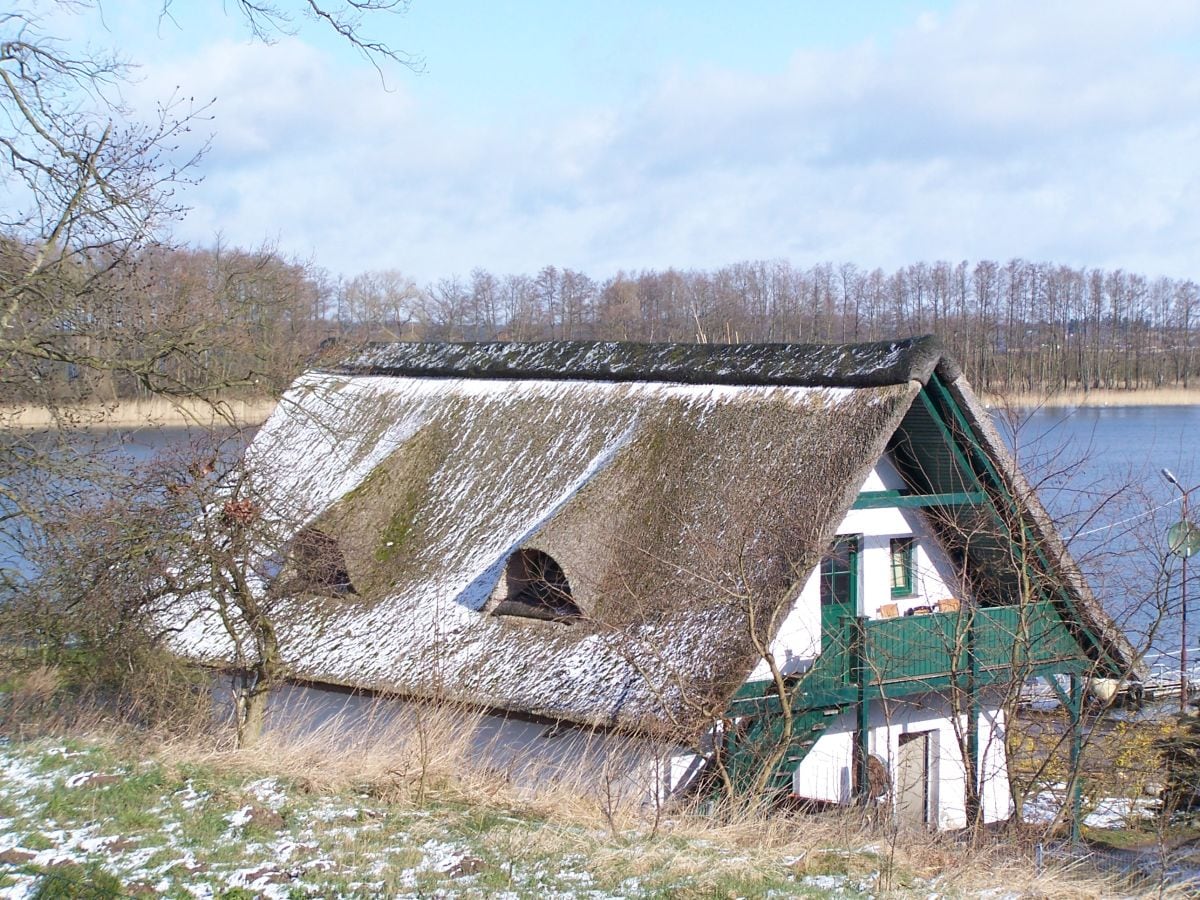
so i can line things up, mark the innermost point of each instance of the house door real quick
(912, 780)
(839, 601)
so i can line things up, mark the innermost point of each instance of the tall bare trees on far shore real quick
(1015, 327)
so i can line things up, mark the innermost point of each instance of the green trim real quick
(902, 553)
(935, 386)
(904, 500)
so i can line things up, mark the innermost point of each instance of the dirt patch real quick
(468, 865)
(269, 875)
(261, 817)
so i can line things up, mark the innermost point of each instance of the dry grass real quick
(128, 413)
(1170, 396)
(433, 759)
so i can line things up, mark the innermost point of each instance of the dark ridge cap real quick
(875, 364)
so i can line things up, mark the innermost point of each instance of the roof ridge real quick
(870, 364)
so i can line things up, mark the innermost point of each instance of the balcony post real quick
(973, 713)
(862, 732)
(1076, 710)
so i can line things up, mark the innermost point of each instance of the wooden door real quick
(912, 780)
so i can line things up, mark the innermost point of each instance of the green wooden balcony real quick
(910, 654)
(1005, 639)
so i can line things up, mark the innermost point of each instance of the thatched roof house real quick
(608, 533)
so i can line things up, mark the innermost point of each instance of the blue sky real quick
(623, 135)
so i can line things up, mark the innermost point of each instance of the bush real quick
(1181, 752)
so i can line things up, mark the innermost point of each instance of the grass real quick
(1141, 838)
(390, 814)
(319, 843)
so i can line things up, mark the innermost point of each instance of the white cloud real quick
(1062, 131)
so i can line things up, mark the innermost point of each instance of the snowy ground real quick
(78, 810)
(192, 832)
(1108, 812)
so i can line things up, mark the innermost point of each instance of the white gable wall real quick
(798, 641)
(826, 773)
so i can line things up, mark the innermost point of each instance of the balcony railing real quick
(1001, 639)
(990, 644)
(910, 654)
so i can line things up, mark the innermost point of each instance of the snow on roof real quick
(685, 490)
(652, 497)
(812, 365)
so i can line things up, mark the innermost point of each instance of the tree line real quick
(1013, 326)
(245, 321)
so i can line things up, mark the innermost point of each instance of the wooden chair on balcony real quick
(949, 604)
(889, 610)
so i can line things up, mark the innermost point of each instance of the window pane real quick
(837, 572)
(902, 565)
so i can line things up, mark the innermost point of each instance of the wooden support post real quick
(1076, 708)
(862, 731)
(1072, 699)
(973, 712)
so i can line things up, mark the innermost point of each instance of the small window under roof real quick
(320, 564)
(534, 586)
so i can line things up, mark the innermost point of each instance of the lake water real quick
(1097, 470)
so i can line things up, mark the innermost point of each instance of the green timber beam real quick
(862, 715)
(905, 500)
(941, 393)
(751, 699)
(1072, 699)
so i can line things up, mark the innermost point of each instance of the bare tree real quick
(95, 303)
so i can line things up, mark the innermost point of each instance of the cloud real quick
(1062, 131)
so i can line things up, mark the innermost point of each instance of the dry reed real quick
(439, 755)
(1169, 396)
(161, 412)
(153, 412)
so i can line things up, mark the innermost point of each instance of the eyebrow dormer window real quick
(319, 564)
(535, 587)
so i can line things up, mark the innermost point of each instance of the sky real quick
(625, 135)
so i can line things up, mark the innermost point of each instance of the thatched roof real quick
(685, 490)
(875, 364)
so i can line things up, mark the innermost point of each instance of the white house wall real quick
(826, 774)
(798, 640)
(995, 791)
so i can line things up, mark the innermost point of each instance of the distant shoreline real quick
(1172, 396)
(152, 413)
(162, 413)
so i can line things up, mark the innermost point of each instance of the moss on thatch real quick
(685, 491)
